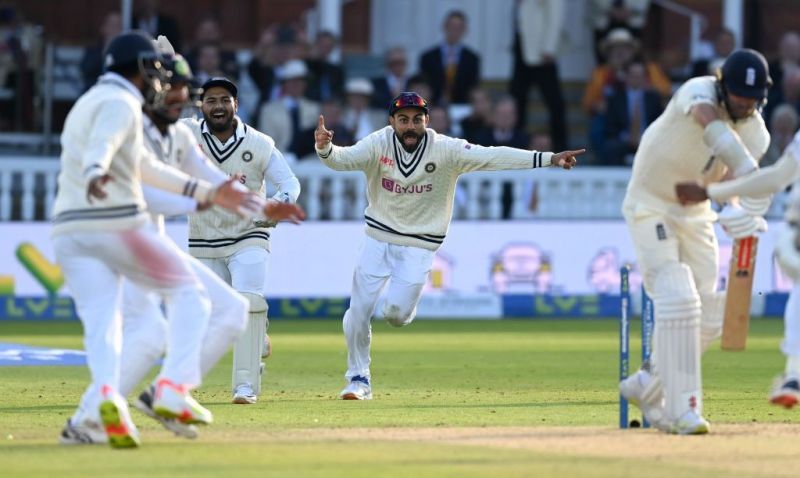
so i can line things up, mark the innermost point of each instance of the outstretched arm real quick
(341, 158)
(759, 183)
(472, 157)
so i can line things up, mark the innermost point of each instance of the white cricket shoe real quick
(173, 401)
(690, 423)
(357, 389)
(83, 433)
(267, 350)
(785, 391)
(243, 394)
(144, 403)
(116, 417)
(633, 390)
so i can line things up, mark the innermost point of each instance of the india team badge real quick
(247, 156)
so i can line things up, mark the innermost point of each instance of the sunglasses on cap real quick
(408, 100)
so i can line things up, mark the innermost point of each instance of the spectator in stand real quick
(331, 110)
(630, 111)
(788, 94)
(611, 14)
(505, 132)
(208, 33)
(620, 48)
(788, 59)
(479, 120)
(21, 57)
(418, 84)
(783, 126)
(151, 20)
(292, 113)
(451, 68)
(359, 117)
(724, 44)
(440, 120)
(92, 61)
(538, 30)
(394, 79)
(209, 63)
(326, 75)
(277, 45)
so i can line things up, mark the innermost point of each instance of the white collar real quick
(117, 79)
(239, 133)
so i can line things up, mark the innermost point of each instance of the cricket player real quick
(786, 386)
(101, 233)
(144, 325)
(710, 128)
(411, 179)
(237, 250)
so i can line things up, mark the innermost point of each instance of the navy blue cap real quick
(221, 82)
(408, 99)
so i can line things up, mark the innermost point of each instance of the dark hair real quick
(456, 14)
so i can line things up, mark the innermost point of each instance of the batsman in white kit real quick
(712, 128)
(238, 250)
(411, 176)
(101, 232)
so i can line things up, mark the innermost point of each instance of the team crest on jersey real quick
(247, 156)
(430, 167)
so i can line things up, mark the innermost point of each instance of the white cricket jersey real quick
(410, 195)
(672, 149)
(103, 135)
(216, 232)
(177, 148)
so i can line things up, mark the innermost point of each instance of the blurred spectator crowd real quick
(295, 78)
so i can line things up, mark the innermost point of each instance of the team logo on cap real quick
(430, 167)
(247, 156)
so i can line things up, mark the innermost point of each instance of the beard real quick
(219, 125)
(408, 134)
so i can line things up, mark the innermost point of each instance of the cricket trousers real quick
(246, 271)
(678, 259)
(94, 264)
(145, 329)
(406, 269)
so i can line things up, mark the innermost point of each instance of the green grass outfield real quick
(451, 398)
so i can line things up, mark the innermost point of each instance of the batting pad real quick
(677, 339)
(711, 319)
(247, 348)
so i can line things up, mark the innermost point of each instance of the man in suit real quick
(451, 68)
(538, 30)
(150, 20)
(630, 111)
(394, 81)
(92, 61)
(505, 131)
(326, 76)
(208, 33)
(724, 44)
(290, 114)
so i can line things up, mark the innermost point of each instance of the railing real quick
(28, 187)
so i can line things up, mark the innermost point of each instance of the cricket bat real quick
(740, 291)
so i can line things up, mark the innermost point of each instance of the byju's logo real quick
(391, 186)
